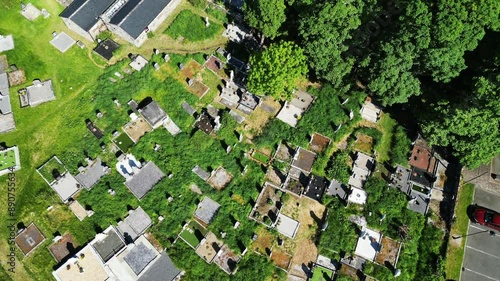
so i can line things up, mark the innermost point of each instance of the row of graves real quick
(205, 243)
(424, 180)
(371, 247)
(121, 252)
(10, 76)
(67, 186)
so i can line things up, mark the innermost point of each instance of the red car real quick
(486, 217)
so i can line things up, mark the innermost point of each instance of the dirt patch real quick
(281, 259)
(191, 68)
(308, 212)
(263, 243)
(389, 251)
(217, 66)
(136, 129)
(199, 89)
(267, 206)
(363, 143)
(318, 143)
(16, 77)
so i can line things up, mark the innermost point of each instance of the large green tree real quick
(276, 70)
(469, 125)
(265, 15)
(325, 30)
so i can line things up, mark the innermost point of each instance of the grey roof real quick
(207, 209)
(337, 189)
(204, 175)
(163, 269)
(5, 106)
(153, 113)
(139, 257)
(142, 182)
(40, 92)
(136, 15)
(188, 108)
(495, 166)
(135, 224)
(92, 173)
(419, 202)
(109, 246)
(85, 13)
(7, 122)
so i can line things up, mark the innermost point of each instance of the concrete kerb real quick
(465, 242)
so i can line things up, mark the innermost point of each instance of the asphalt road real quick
(482, 252)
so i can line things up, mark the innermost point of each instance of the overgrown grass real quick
(455, 253)
(192, 27)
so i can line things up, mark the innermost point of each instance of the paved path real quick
(482, 252)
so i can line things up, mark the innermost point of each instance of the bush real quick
(338, 168)
(192, 27)
(341, 234)
(198, 3)
(400, 147)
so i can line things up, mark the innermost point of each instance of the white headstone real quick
(207, 23)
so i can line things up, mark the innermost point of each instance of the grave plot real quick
(268, 204)
(193, 233)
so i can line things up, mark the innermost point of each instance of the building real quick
(138, 261)
(40, 92)
(29, 238)
(206, 211)
(129, 19)
(303, 160)
(370, 111)
(91, 174)
(84, 17)
(134, 225)
(144, 180)
(6, 116)
(153, 114)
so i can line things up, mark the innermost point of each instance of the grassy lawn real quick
(321, 274)
(51, 168)
(7, 159)
(192, 27)
(123, 142)
(456, 248)
(261, 157)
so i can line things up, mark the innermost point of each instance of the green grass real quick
(261, 157)
(321, 274)
(455, 253)
(192, 27)
(7, 159)
(48, 169)
(123, 142)
(193, 233)
(386, 125)
(217, 13)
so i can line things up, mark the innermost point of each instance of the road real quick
(482, 252)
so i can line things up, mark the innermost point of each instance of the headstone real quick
(223, 235)
(99, 114)
(170, 176)
(45, 13)
(338, 128)
(181, 66)
(344, 102)
(228, 149)
(170, 199)
(351, 115)
(54, 34)
(167, 57)
(161, 218)
(50, 208)
(157, 147)
(118, 104)
(236, 225)
(157, 52)
(80, 44)
(113, 80)
(57, 238)
(231, 76)
(190, 82)
(119, 75)
(90, 213)
(156, 66)
(207, 23)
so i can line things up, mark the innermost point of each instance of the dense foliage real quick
(276, 71)
(397, 50)
(341, 235)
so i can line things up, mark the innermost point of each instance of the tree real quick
(275, 71)
(326, 29)
(470, 124)
(265, 15)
